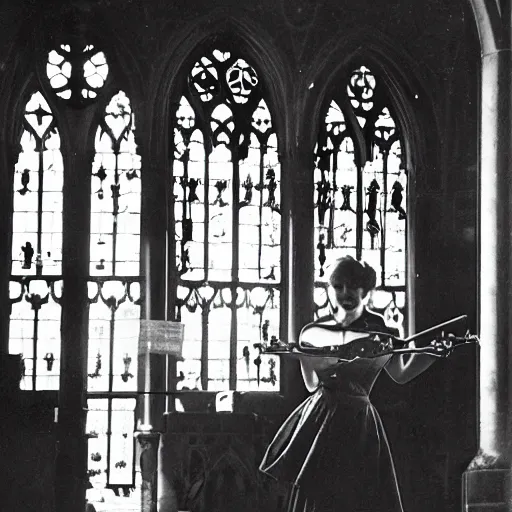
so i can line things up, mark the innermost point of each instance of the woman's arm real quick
(402, 368)
(309, 365)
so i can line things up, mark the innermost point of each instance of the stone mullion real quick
(298, 256)
(6, 213)
(156, 372)
(71, 462)
(156, 207)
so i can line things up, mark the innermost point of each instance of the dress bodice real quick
(358, 376)
(355, 377)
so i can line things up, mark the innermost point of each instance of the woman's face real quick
(349, 303)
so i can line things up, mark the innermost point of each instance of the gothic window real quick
(36, 280)
(76, 72)
(361, 187)
(114, 294)
(227, 217)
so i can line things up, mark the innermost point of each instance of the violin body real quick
(373, 345)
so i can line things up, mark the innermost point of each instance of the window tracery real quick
(76, 72)
(226, 185)
(360, 191)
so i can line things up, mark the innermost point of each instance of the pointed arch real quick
(226, 217)
(490, 26)
(36, 246)
(116, 178)
(380, 144)
(115, 288)
(410, 88)
(255, 41)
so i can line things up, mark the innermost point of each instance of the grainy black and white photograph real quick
(254, 256)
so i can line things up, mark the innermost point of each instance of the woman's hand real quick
(443, 346)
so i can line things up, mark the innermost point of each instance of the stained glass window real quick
(360, 191)
(114, 296)
(110, 427)
(226, 185)
(36, 280)
(76, 72)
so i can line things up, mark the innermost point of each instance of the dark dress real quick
(333, 447)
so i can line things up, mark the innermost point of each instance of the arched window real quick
(361, 190)
(36, 280)
(114, 294)
(226, 189)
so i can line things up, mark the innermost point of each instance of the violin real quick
(370, 344)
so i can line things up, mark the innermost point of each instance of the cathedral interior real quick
(128, 193)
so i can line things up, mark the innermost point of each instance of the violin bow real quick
(436, 328)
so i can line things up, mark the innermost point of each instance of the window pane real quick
(114, 316)
(336, 201)
(34, 329)
(37, 201)
(121, 462)
(115, 297)
(126, 342)
(97, 429)
(109, 429)
(76, 72)
(226, 185)
(360, 208)
(258, 321)
(115, 198)
(98, 361)
(34, 332)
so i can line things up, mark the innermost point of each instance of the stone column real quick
(298, 254)
(151, 367)
(486, 481)
(148, 443)
(71, 463)
(152, 370)
(6, 207)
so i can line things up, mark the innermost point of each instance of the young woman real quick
(333, 447)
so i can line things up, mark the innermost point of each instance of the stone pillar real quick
(71, 462)
(298, 255)
(152, 370)
(6, 204)
(148, 444)
(152, 367)
(486, 481)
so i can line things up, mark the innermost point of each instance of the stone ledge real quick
(485, 489)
